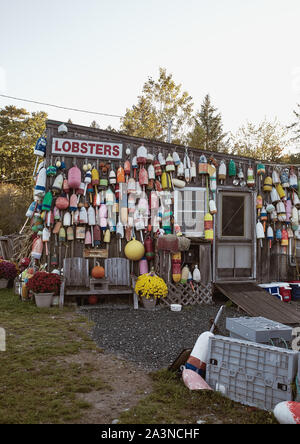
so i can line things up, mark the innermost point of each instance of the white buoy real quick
(287, 412)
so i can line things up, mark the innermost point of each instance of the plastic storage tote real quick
(281, 290)
(258, 329)
(253, 374)
(295, 286)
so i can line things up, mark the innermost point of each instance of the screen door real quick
(234, 237)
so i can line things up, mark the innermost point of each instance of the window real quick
(189, 211)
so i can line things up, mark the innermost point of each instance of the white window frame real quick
(204, 190)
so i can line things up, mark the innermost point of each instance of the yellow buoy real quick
(134, 250)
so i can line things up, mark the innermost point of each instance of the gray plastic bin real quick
(253, 374)
(259, 329)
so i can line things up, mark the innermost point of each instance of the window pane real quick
(190, 210)
(233, 216)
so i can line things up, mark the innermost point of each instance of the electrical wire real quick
(62, 107)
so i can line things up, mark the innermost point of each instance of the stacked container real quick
(253, 374)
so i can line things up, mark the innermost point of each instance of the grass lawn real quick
(37, 383)
(172, 403)
(43, 379)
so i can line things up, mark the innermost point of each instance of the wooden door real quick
(235, 240)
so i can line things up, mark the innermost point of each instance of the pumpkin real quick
(98, 272)
(93, 299)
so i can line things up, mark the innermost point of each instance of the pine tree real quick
(94, 124)
(208, 129)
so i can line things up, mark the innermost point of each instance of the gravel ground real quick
(152, 339)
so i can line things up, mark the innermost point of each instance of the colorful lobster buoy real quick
(203, 165)
(149, 247)
(268, 184)
(222, 171)
(176, 267)
(287, 412)
(270, 235)
(74, 177)
(199, 355)
(250, 177)
(39, 150)
(260, 233)
(208, 227)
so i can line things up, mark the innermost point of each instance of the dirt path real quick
(126, 385)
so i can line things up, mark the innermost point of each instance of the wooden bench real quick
(78, 283)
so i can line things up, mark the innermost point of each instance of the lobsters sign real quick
(86, 148)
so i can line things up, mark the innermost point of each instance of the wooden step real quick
(99, 281)
(97, 292)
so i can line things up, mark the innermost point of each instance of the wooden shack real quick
(225, 186)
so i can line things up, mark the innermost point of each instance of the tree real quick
(160, 103)
(19, 131)
(94, 124)
(208, 129)
(265, 141)
(295, 127)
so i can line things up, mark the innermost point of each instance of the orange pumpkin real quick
(98, 272)
(93, 299)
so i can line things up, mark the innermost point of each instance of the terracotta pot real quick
(43, 300)
(149, 304)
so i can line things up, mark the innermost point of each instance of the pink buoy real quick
(193, 381)
(74, 177)
(287, 412)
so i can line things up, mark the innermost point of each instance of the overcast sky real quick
(97, 54)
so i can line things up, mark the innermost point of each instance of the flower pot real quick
(149, 304)
(43, 300)
(3, 283)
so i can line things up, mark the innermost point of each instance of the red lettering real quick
(116, 151)
(107, 150)
(66, 146)
(84, 147)
(75, 147)
(56, 146)
(99, 149)
(92, 147)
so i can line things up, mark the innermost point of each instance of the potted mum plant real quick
(150, 288)
(8, 271)
(44, 286)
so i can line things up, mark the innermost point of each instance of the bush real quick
(43, 282)
(8, 270)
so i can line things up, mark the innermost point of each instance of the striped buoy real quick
(287, 412)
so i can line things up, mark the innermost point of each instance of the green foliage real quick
(208, 132)
(14, 202)
(265, 141)
(19, 131)
(161, 101)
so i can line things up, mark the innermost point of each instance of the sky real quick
(97, 54)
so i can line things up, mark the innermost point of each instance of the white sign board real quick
(86, 148)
